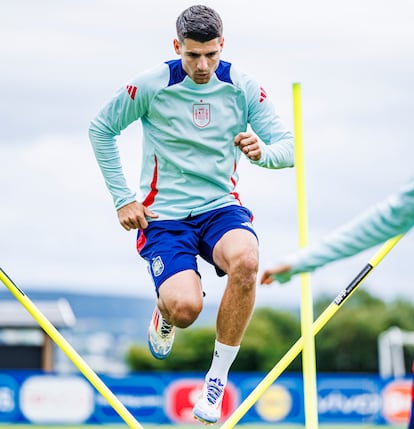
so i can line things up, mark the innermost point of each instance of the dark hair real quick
(199, 23)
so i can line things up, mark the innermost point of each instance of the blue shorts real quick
(171, 246)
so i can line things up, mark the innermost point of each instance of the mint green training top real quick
(391, 217)
(189, 161)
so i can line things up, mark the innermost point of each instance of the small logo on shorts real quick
(248, 224)
(157, 266)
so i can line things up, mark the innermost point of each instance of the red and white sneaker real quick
(160, 336)
(207, 410)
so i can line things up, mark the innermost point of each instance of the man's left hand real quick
(248, 143)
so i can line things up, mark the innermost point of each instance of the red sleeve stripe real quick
(263, 95)
(132, 90)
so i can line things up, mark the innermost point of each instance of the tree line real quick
(347, 343)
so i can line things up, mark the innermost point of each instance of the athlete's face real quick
(199, 59)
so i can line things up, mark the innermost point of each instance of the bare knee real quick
(244, 268)
(180, 298)
(184, 312)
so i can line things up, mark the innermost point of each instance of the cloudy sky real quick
(61, 61)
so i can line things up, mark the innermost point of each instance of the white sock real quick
(223, 357)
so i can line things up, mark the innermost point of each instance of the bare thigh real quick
(237, 248)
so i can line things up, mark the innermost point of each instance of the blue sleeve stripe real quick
(223, 72)
(177, 73)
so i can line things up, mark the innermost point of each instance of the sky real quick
(61, 61)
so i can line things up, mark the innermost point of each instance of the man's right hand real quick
(133, 216)
(281, 273)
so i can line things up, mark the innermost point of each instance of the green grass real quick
(196, 426)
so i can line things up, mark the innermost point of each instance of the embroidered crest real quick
(201, 115)
(157, 266)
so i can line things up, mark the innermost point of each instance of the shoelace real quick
(166, 328)
(214, 390)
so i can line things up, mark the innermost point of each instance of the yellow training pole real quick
(320, 322)
(57, 337)
(308, 354)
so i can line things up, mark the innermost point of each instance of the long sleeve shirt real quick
(189, 161)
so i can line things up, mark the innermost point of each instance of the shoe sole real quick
(154, 353)
(203, 420)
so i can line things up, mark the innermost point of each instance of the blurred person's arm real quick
(391, 217)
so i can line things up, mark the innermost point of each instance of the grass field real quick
(198, 426)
